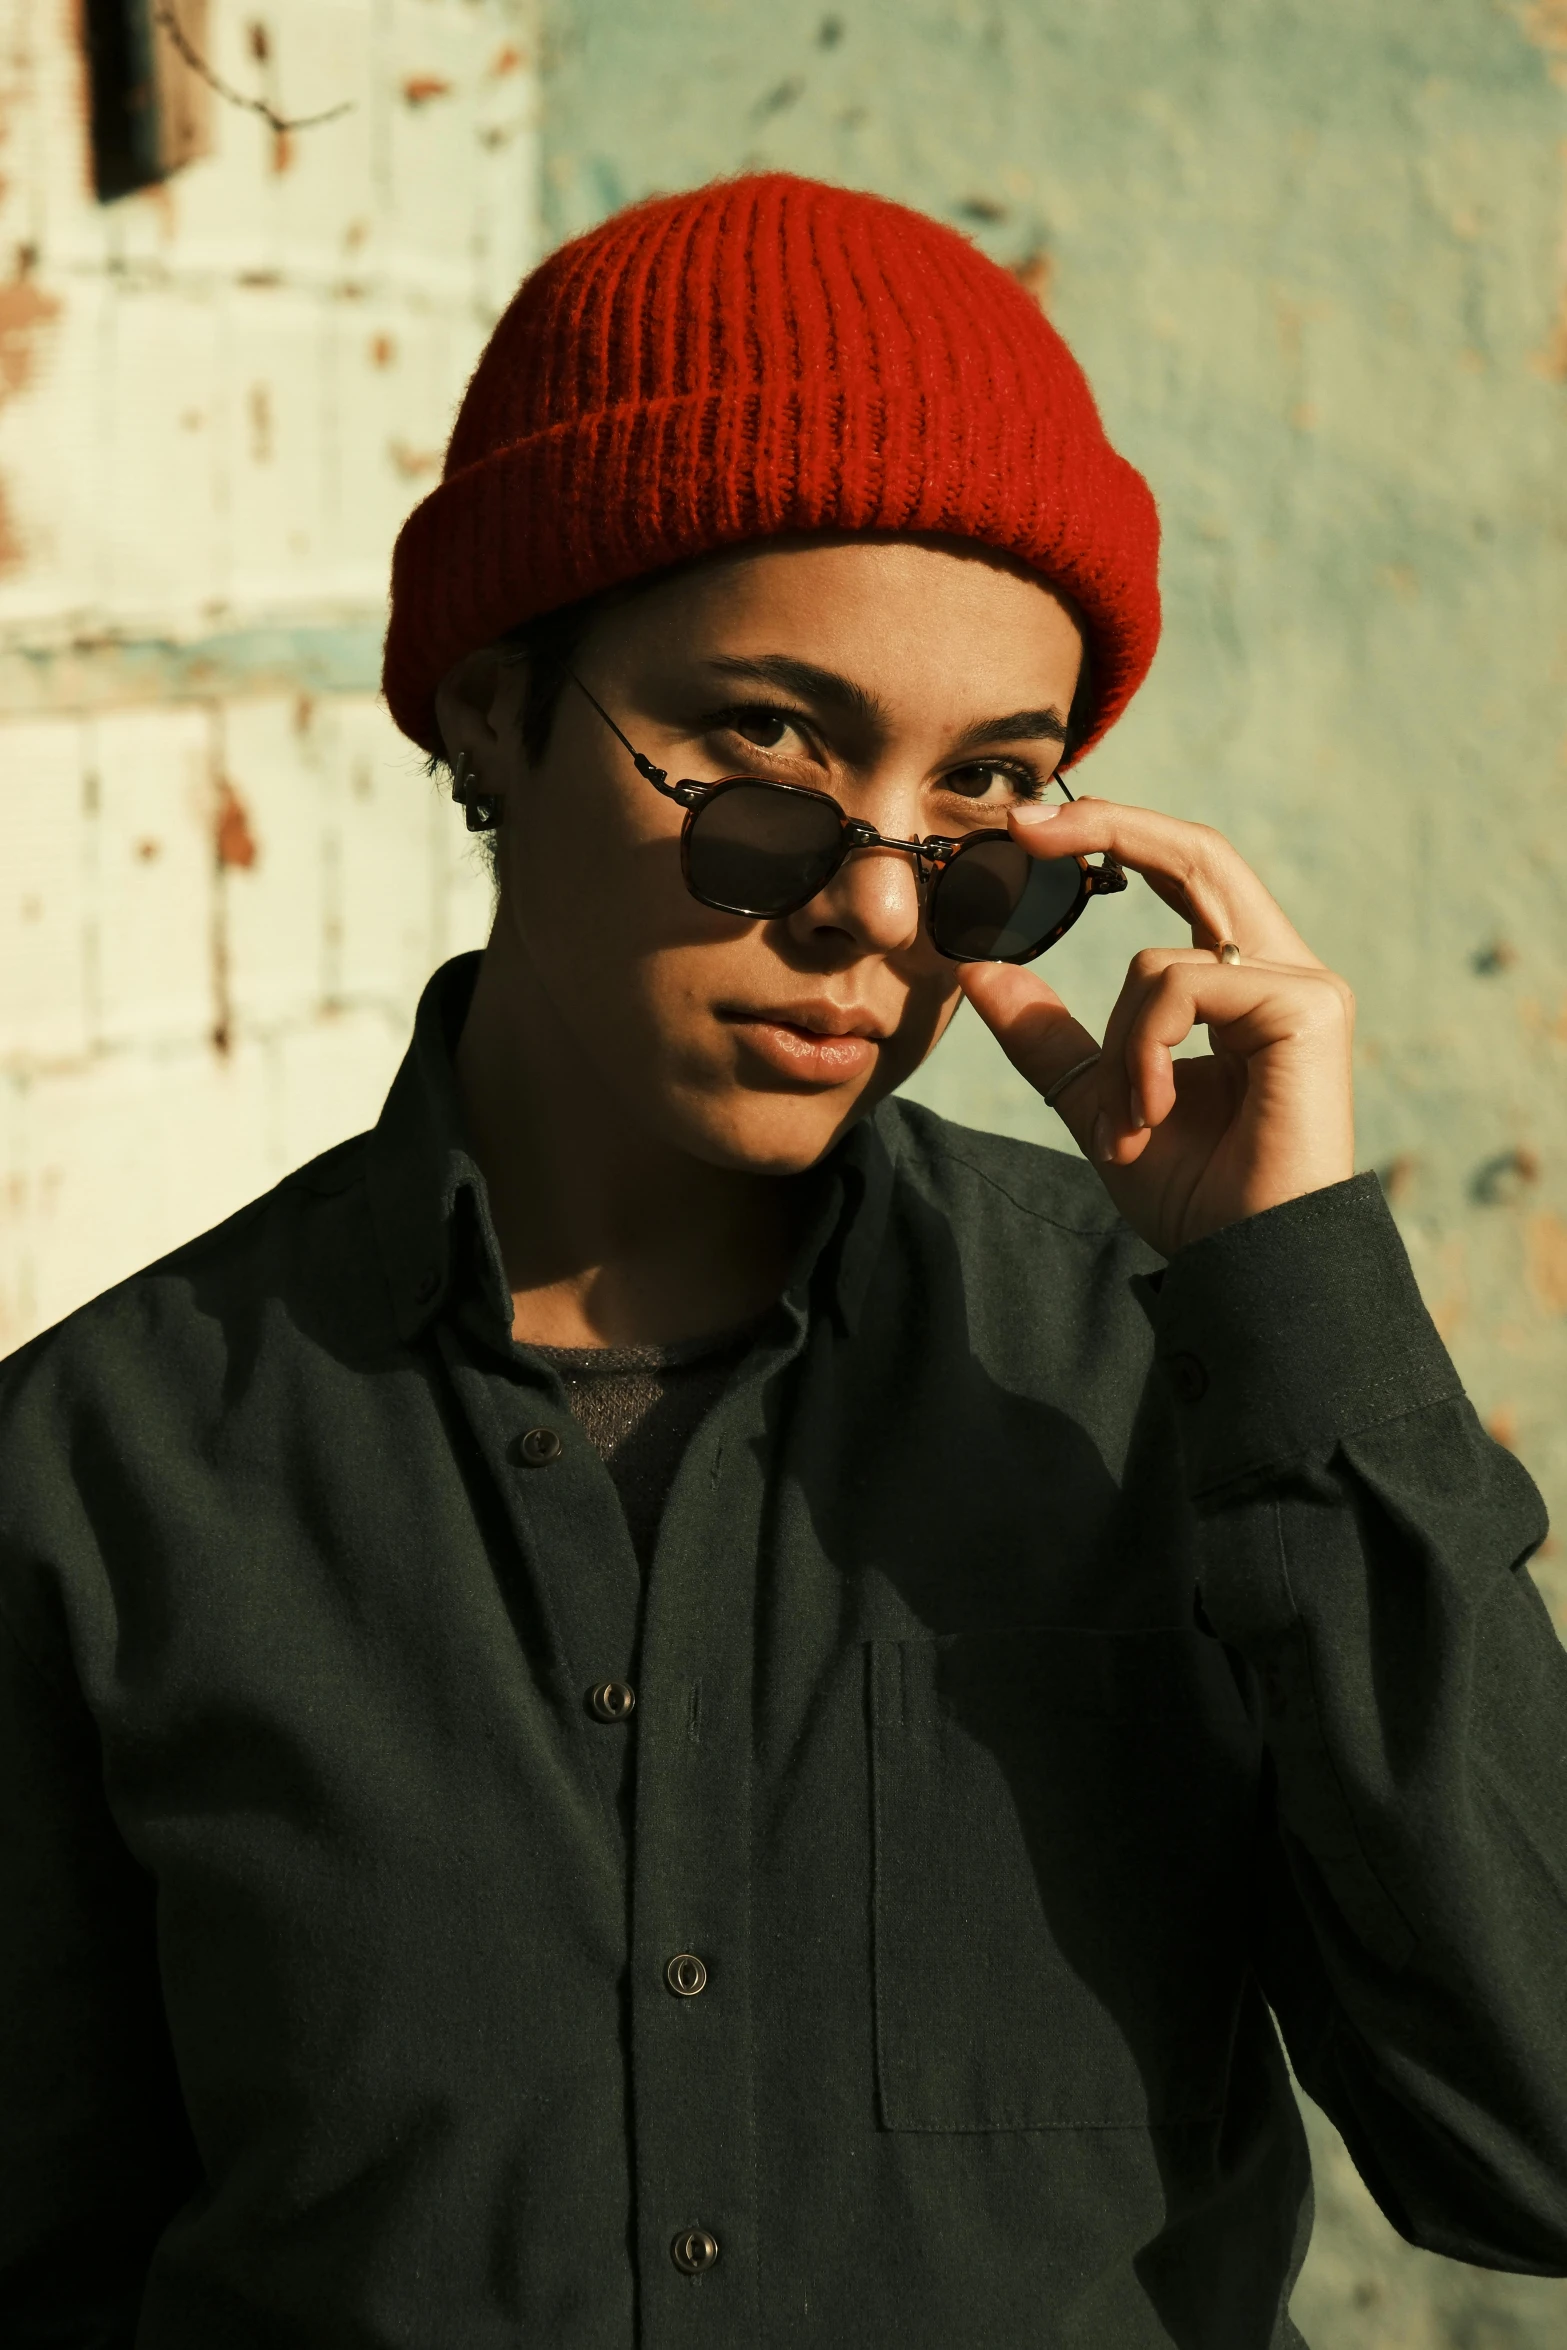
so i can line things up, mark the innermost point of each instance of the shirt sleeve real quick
(95, 2152)
(1361, 1548)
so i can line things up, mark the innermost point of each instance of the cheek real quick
(622, 950)
(584, 889)
(633, 966)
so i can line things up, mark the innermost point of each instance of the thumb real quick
(1038, 1035)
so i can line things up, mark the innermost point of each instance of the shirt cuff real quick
(1283, 1333)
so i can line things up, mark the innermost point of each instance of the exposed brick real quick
(330, 1079)
(43, 908)
(153, 876)
(221, 890)
(275, 909)
(125, 1158)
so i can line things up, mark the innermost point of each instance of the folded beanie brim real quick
(603, 439)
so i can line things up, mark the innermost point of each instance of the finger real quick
(1192, 868)
(1136, 1096)
(1246, 1008)
(1191, 988)
(1039, 1037)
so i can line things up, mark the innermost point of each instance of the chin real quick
(766, 1133)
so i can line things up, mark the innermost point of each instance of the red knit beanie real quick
(762, 355)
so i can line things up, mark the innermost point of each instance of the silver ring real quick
(1227, 951)
(1053, 1093)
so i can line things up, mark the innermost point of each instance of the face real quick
(924, 686)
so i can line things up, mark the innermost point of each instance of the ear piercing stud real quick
(481, 812)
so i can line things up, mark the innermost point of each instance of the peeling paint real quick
(414, 464)
(26, 312)
(233, 840)
(258, 406)
(1398, 1177)
(105, 672)
(1544, 22)
(1034, 273)
(1501, 1181)
(1548, 1260)
(13, 554)
(196, 454)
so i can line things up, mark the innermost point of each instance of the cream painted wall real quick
(223, 875)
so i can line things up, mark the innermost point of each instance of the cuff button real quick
(1188, 1377)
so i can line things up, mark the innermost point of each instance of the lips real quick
(812, 1045)
(814, 1019)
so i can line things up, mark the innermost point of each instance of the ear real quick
(478, 708)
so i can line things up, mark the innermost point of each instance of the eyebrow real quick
(1019, 726)
(826, 686)
(805, 678)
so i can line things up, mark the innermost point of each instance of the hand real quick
(1187, 1146)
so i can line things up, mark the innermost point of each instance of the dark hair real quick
(546, 649)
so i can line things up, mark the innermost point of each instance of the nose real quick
(872, 903)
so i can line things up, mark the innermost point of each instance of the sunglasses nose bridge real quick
(858, 835)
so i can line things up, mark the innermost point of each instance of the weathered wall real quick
(1313, 259)
(223, 876)
(1312, 256)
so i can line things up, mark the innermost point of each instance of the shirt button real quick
(539, 1447)
(611, 1701)
(694, 2250)
(685, 1974)
(426, 1286)
(1187, 1377)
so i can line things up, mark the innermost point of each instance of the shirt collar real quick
(431, 1212)
(424, 1183)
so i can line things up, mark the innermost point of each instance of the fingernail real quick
(1026, 814)
(1102, 1140)
(1138, 1113)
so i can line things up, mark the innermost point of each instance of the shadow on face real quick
(923, 684)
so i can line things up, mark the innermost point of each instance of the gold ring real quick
(1227, 951)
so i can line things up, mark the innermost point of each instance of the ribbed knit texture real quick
(764, 355)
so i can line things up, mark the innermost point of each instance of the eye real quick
(764, 727)
(992, 778)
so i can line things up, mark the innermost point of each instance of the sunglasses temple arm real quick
(1109, 875)
(644, 767)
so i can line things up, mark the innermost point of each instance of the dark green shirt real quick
(1048, 1665)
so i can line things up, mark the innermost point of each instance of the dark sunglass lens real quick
(754, 848)
(995, 903)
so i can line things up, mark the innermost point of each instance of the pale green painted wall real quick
(1312, 258)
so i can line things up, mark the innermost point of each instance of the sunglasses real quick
(763, 849)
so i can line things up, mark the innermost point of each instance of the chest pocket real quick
(1062, 1828)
